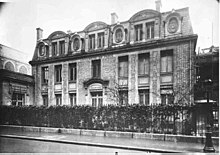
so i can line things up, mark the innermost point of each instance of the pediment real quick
(57, 34)
(95, 26)
(144, 14)
(95, 81)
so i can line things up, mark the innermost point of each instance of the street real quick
(9, 145)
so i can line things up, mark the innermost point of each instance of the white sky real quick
(20, 18)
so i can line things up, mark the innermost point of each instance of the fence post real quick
(208, 144)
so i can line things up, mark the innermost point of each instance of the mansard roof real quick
(57, 34)
(144, 14)
(95, 26)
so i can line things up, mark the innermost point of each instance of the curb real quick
(147, 150)
(153, 136)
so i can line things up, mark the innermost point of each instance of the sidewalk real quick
(124, 143)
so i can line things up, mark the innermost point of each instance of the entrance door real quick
(97, 99)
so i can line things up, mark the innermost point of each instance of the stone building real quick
(143, 60)
(16, 82)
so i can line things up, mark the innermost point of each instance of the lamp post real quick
(208, 144)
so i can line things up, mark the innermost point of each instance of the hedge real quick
(135, 118)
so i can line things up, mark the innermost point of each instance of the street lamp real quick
(208, 144)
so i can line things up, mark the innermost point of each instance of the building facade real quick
(143, 60)
(16, 82)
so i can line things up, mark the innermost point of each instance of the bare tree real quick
(118, 93)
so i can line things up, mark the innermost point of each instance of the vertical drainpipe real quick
(190, 65)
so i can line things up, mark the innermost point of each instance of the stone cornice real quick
(7, 75)
(122, 49)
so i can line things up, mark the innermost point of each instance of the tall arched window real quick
(9, 66)
(23, 70)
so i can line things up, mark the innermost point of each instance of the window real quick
(166, 61)
(144, 97)
(123, 66)
(45, 100)
(138, 32)
(92, 41)
(54, 48)
(58, 73)
(96, 68)
(62, 47)
(58, 99)
(18, 99)
(9, 66)
(97, 100)
(44, 75)
(123, 97)
(143, 64)
(41, 50)
(72, 72)
(72, 97)
(166, 99)
(101, 40)
(150, 30)
(76, 44)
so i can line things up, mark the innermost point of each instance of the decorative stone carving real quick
(145, 14)
(95, 26)
(57, 34)
(118, 35)
(173, 25)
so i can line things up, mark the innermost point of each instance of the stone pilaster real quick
(154, 77)
(132, 79)
(65, 95)
(51, 95)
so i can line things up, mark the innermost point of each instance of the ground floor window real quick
(18, 99)
(45, 100)
(72, 97)
(166, 99)
(123, 97)
(97, 100)
(58, 99)
(144, 97)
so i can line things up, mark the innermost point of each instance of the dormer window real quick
(138, 32)
(150, 30)
(92, 41)
(76, 44)
(62, 47)
(42, 50)
(54, 48)
(101, 40)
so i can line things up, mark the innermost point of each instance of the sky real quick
(20, 18)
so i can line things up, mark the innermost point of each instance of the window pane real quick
(141, 98)
(146, 66)
(141, 66)
(163, 99)
(96, 68)
(163, 64)
(169, 63)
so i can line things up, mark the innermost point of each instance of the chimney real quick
(39, 33)
(158, 5)
(114, 18)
